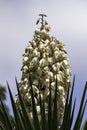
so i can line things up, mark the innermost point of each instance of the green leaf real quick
(72, 114)
(35, 115)
(26, 119)
(84, 127)
(67, 121)
(43, 116)
(49, 111)
(37, 21)
(55, 114)
(2, 119)
(82, 113)
(19, 123)
(7, 120)
(2, 126)
(78, 120)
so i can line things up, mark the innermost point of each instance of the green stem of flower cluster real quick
(42, 20)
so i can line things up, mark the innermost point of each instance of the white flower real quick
(46, 69)
(35, 89)
(50, 75)
(50, 60)
(46, 42)
(41, 46)
(25, 88)
(61, 89)
(34, 61)
(68, 79)
(53, 44)
(67, 71)
(37, 31)
(60, 101)
(25, 80)
(36, 53)
(53, 84)
(44, 35)
(48, 50)
(34, 44)
(56, 54)
(63, 49)
(58, 66)
(44, 55)
(58, 77)
(65, 63)
(35, 82)
(42, 62)
(46, 82)
(20, 83)
(25, 68)
(63, 100)
(54, 68)
(60, 45)
(39, 71)
(25, 59)
(38, 109)
(27, 96)
(56, 49)
(29, 48)
(47, 28)
(61, 74)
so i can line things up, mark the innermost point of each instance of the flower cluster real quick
(46, 61)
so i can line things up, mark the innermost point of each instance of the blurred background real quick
(68, 20)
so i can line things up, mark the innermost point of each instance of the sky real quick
(68, 20)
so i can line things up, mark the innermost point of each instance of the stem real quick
(42, 20)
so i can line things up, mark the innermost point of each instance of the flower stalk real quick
(45, 59)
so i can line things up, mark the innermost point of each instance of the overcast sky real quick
(68, 20)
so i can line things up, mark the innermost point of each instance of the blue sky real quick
(68, 20)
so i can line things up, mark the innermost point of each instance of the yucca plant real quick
(45, 91)
(23, 121)
(45, 61)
